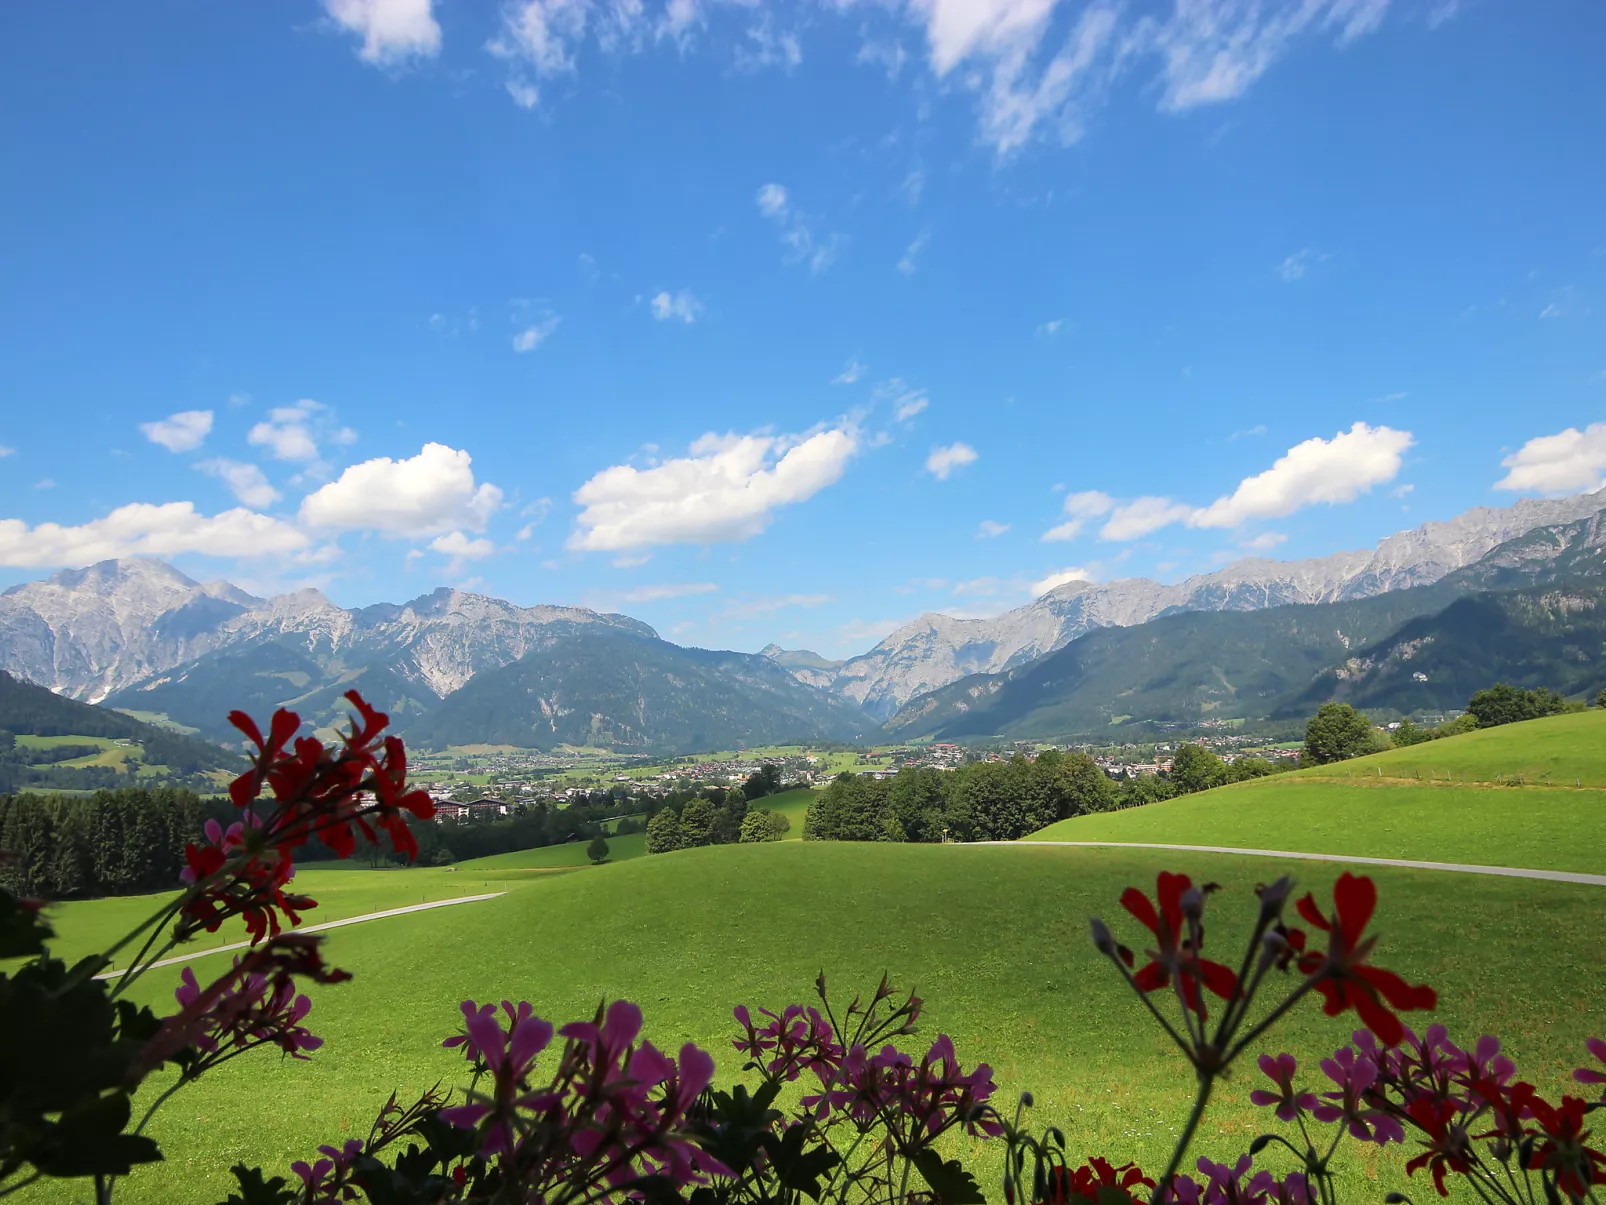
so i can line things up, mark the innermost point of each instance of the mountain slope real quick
(1182, 668)
(934, 650)
(30, 710)
(593, 685)
(1553, 635)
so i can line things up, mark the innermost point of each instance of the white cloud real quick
(725, 490)
(907, 264)
(540, 33)
(669, 590)
(1551, 311)
(429, 494)
(461, 549)
(796, 234)
(943, 461)
(754, 607)
(858, 631)
(1571, 461)
(391, 30)
(1315, 471)
(630, 562)
(146, 529)
(978, 587)
(989, 530)
(772, 201)
(294, 432)
(1078, 508)
(1060, 578)
(910, 405)
(247, 482)
(5, 451)
(535, 334)
(1047, 330)
(681, 305)
(525, 95)
(1295, 266)
(1137, 518)
(906, 401)
(1259, 429)
(1265, 541)
(851, 374)
(181, 432)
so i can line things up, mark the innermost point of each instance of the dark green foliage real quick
(664, 834)
(982, 801)
(597, 851)
(1338, 732)
(766, 780)
(713, 817)
(35, 711)
(112, 843)
(764, 825)
(589, 684)
(1194, 768)
(1503, 703)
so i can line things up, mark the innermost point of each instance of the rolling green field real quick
(994, 938)
(1348, 808)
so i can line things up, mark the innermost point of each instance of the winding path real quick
(1513, 872)
(328, 924)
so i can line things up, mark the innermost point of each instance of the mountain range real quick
(1526, 612)
(1257, 637)
(933, 650)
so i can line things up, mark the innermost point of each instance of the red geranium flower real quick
(1563, 1153)
(1176, 955)
(1344, 978)
(1447, 1150)
(285, 724)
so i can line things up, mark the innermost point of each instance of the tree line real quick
(718, 815)
(1003, 800)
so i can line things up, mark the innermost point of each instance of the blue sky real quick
(788, 322)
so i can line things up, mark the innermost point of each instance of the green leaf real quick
(254, 1190)
(952, 1183)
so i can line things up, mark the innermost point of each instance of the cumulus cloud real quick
(146, 529)
(1318, 470)
(429, 494)
(989, 530)
(1137, 518)
(725, 490)
(1078, 508)
(658, 593)
(392, 31)
(247, 482)
(181, 432)
(943, 461)
(1060, 578)
(1571, 461)
(293, 432)
(461, 549)
(681, 306)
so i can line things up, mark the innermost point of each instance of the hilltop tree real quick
(1195, 768)
(850, 809)
(697, 820)
(764, 826)
(1337, 732)
(1503, 703)
(597, 851)
(766, 780)
(664, 834)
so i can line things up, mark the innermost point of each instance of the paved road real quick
(1514, 872)
(328, 924)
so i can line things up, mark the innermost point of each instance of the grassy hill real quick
(1438, 801)
(994, 938)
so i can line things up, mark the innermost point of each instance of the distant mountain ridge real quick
(89, 633)
(933, 650)
(1528, 611)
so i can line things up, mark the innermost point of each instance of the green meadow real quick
(994, 938)
(1377, 806)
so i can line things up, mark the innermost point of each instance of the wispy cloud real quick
(797, 233)
(944, 461)
(989, 530)
(851, 374)
(680, 307)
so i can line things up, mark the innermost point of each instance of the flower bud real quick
(1103, 940)
(1273, 898)
(1192, 903)
(1026, 1100)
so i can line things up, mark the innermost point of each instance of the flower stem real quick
(1207, 1081)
